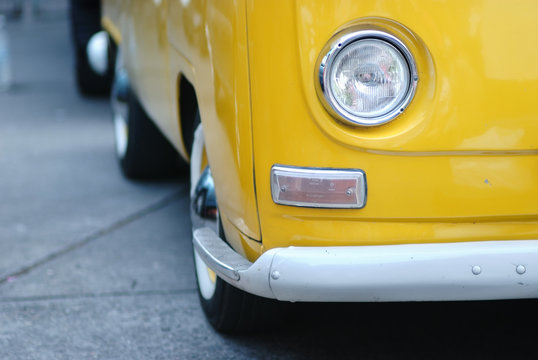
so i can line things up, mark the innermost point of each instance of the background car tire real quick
(85, 17)
(226, 307)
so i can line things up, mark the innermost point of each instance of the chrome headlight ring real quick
(351, 101)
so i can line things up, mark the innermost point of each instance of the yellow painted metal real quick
(244, 245)
(204, 42)
(112, 18)
(460, 164)
(212, 36)
(212, 275)
(112, 29)
(140, 28)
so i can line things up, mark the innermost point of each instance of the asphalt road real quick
(93, 266)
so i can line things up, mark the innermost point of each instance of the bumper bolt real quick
(520, 269)
(275, 275)
(477, 270)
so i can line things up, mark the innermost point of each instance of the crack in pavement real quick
(112, 294)
(162, 203)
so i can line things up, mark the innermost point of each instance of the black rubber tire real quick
(233, 310)
(230, 309)
(148, 154)
(85, 18)
(89, 83)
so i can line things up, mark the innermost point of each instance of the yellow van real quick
(346, 151)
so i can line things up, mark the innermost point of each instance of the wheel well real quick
(188, 105)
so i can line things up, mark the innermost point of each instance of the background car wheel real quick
(226, 307)
(143, 152)
(85, 17)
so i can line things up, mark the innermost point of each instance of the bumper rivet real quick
(477, 270)
(520, 269)
(275, 275)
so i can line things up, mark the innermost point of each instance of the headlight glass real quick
(368, 78)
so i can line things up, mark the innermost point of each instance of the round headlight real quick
(367, 78)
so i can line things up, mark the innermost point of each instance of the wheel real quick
(85, 16)
(229, 309)
(143, 152)
(226, 307)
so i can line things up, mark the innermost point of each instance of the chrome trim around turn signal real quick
(318, 187)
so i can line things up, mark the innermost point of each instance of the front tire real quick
(229, 309)
(226, 307)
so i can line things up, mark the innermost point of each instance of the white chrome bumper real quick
(416, 272)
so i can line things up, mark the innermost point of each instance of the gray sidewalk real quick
(91, 265)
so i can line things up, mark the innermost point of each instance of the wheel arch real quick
(187, 108)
